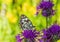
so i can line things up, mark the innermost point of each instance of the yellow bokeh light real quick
(11, 17)
(7, 1)
(32, 10)
(26, 6)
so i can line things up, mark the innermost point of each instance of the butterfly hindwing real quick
(25, 23)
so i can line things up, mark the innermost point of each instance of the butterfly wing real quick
(25, 23)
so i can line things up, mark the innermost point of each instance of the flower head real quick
(29, 35)
(54, 29)
(46, 7)
(47, 12)
(52, 33)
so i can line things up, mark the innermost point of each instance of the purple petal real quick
(30, 34)
(18, 39)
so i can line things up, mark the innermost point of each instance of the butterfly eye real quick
(26, 23)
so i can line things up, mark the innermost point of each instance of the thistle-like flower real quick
(46, 7)
(28, 36)
(52, 34)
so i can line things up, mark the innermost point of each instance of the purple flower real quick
(29, 35)
(18, 39)
(47, 12)
(46, 7)
(54, 29)
(52, 33)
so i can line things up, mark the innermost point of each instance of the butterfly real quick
(25, 23)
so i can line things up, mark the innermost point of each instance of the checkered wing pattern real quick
(26, 23)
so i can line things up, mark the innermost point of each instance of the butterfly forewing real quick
(26, 23)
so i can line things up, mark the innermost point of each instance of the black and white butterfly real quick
(25, 23)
